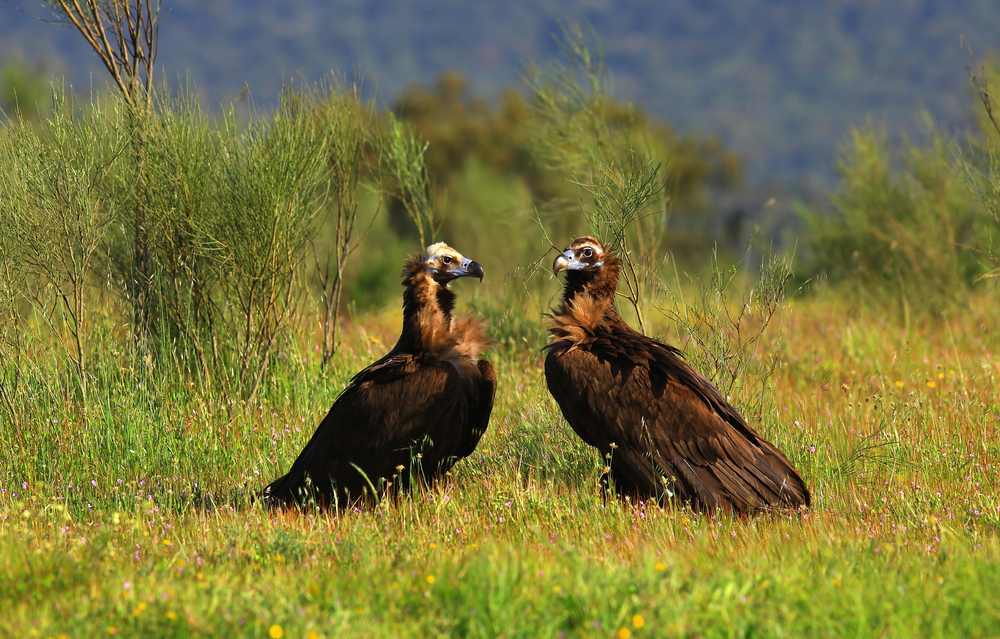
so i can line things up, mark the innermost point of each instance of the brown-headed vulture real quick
(669, 432)
(412, 414)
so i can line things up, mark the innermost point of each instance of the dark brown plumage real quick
(416, 411)
(669, 431)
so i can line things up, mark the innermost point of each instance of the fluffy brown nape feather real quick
(410, 416)
(668, 431)
(428, 322)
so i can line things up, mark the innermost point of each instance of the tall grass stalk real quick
(403, 156)
(350, 123)
(618, 177)
(61, 213)
(726, 328)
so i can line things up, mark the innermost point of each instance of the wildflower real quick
(624, 633)
(638, 621)
(931, 384)
(138, 609)
(112, 630)
(836, 582)
(171, 615)
(431, 579)
(276, 632)
(660, 566)
(312, 635)
(374, 340)
(899, 384)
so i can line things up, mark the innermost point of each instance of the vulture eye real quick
(588, 252)
(446, 259)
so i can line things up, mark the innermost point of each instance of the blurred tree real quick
(23, 89)
(460, 125)
(901, 225)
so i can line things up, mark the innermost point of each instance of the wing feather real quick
(631, 390)
(374, 426)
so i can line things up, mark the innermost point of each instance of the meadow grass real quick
(133, 517)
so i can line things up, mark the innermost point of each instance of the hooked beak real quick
(561, 264)
(470, 269)
(568, 262)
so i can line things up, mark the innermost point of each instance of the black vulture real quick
(414, 413)
(668, 431)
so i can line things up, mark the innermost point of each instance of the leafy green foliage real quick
(405, 161)
(980, 164)
(724, 325)
(57, 198)
(208, 225)
(902, 223)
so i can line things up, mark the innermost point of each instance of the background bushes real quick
(903, 222)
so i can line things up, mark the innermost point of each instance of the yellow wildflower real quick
(638, 621)
(276, 632)
(624, 633)
(431, 579)
(660, 566)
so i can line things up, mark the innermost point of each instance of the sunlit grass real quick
(134, 518)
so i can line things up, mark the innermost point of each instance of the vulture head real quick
(589, 267)
(445, 264)
(584, 254)
(428, 301)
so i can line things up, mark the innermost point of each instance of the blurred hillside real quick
(779, 82)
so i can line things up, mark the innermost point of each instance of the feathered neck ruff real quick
(428, 324)
(599, 284)
(588, 303)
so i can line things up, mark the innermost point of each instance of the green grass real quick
(132, 517)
